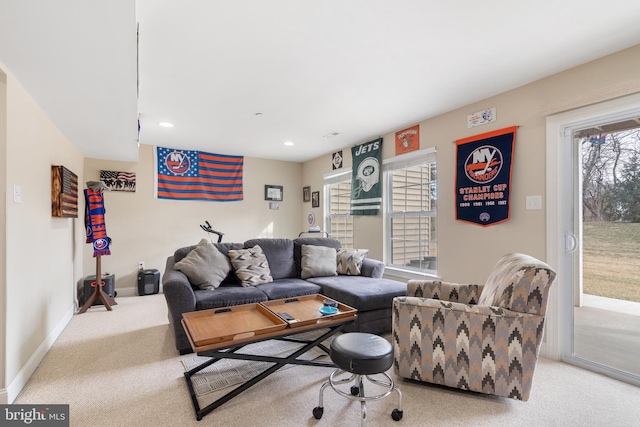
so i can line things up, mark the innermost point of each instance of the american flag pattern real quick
(64, 192)
(196, 175)
(119, 181)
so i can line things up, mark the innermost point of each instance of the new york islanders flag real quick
(196, 175)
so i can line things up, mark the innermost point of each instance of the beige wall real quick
(45, 258)
(42, 258)
(312, 174)
(147, 229)
(467, 252)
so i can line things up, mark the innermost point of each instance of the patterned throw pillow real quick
(205, 266)
(349, 261)
(251, 266)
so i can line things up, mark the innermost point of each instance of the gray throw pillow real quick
(205, 266)
(318, 261)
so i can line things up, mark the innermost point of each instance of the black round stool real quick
(362, 355)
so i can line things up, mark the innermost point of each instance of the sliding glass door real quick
(599, 188)
(606, 309)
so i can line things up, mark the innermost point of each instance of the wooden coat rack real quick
(107, 300)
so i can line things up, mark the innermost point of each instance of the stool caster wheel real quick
(355, 390)
(396, 415)
(317, 412)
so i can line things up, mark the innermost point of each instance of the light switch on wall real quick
(534, 202)
(17, 193)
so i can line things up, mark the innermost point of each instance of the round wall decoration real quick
(311, 219)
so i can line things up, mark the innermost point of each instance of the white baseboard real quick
(127, 292)
(8, 395)
(130, 292)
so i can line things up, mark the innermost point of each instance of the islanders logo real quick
(483, 164)
(101, 244)
(177, 162)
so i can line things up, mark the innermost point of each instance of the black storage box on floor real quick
(148, 282)
(108, 288)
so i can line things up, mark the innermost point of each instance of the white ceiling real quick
(361, 68)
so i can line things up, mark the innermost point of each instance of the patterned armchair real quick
(484, 338)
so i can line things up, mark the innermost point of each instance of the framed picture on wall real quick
(119, 181)
(306, 194)
(273, 193)
(315, 199)
(408, 140)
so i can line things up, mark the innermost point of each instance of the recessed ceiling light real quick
(288, 143)
(166, 124)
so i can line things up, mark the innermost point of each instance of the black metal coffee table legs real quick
(279, 362)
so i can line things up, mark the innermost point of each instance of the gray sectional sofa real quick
(368, 292)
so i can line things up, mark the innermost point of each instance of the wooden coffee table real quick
(220, 333)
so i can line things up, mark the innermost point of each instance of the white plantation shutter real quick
(411, 190)
(338, 220)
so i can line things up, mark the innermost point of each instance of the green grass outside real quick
(611, 260)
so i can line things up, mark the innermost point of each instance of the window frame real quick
(398, 163)
(335, 177)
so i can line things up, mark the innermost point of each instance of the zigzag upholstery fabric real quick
(251, 266)
(441, 336)
(349, 261)
(435, 289)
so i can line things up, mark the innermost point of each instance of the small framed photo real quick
(315, 199)
(336, 160)
(306, 194)
(273, 193)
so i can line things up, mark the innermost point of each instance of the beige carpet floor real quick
(226, 373)
(120, 368)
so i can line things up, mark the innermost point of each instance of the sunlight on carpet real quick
(229, 372)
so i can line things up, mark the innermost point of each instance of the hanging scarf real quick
(95, 226)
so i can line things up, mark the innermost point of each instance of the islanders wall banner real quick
(483, 177)
(196, 175)
(366, 188)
